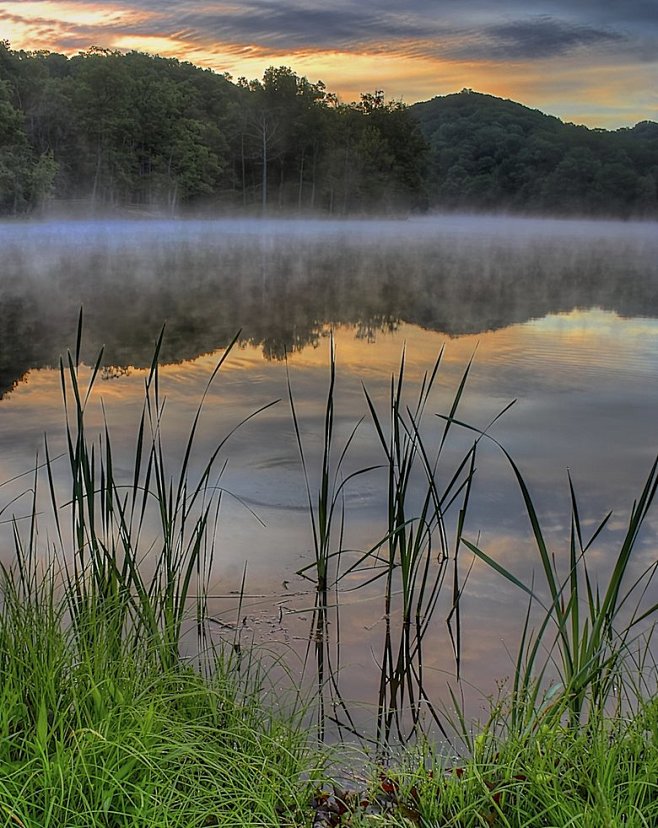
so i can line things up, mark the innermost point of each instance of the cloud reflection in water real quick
(563, 317)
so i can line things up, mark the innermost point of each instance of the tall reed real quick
(128, 590)
(122, 585)
(416, 549)
(326, 510)
(102, 720)
(411, 557)
(587, 630)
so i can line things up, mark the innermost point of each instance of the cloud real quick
(414, 49)
(416, 31)
(469, 32)
(291, 25)
(543, 37)
(631, 15)
(464, 30)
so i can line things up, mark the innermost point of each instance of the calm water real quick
(562, 317)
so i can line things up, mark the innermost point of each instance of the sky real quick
(587, 61)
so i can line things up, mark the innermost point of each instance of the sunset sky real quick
(587, 61)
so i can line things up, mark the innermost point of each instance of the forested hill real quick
(489, 153)
(159, 134)
(105, 130)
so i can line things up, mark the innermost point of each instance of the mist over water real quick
(562, 316)
(282, 282)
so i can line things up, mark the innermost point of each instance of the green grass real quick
(591, 632)
(84, 742)
(602, 776)
(103, 722)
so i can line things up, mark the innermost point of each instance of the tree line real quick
(133, 130)
(492, 154)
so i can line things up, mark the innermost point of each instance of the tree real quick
(42, 179)
(102, 100)
(14, 157)
(131, 128)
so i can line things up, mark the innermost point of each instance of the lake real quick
(559, 316)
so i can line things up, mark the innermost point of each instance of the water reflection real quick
(563, 317)
(281, 283)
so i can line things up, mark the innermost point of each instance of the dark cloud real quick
(459, 29)
(466, 29)
(628, 15)
(294, 25)
(545, 37)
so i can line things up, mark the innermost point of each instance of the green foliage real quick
(604, 775)
(589, 632)
(15, 167)
(89, 740)
(42, 181)
(130, 129)
(102, 721)
(488, 153)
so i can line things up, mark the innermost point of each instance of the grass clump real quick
(575, 743)
(590, 630)
(103, 722)
(85, 742)
(603, 775)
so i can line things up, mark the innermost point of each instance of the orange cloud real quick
(594, 88)
(71, 14)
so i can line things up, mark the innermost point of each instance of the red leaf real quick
(388, 785)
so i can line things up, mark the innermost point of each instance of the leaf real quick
(42, 725)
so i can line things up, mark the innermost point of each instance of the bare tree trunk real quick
(242, 162)
(301, 182)
(172, 195)
(315, 166)
(264, 176)
(97, 174)
(345, 179)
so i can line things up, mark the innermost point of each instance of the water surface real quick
(562, 317)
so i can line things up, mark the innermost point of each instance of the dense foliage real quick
(488, 153)
(116, 129)
(132, 129)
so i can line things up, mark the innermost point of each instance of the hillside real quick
(489, 153)
(106, 131)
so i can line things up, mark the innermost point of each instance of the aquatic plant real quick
(126, 588)
(410, 559)
(589, 632)
(416, 550)
(103, 721)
